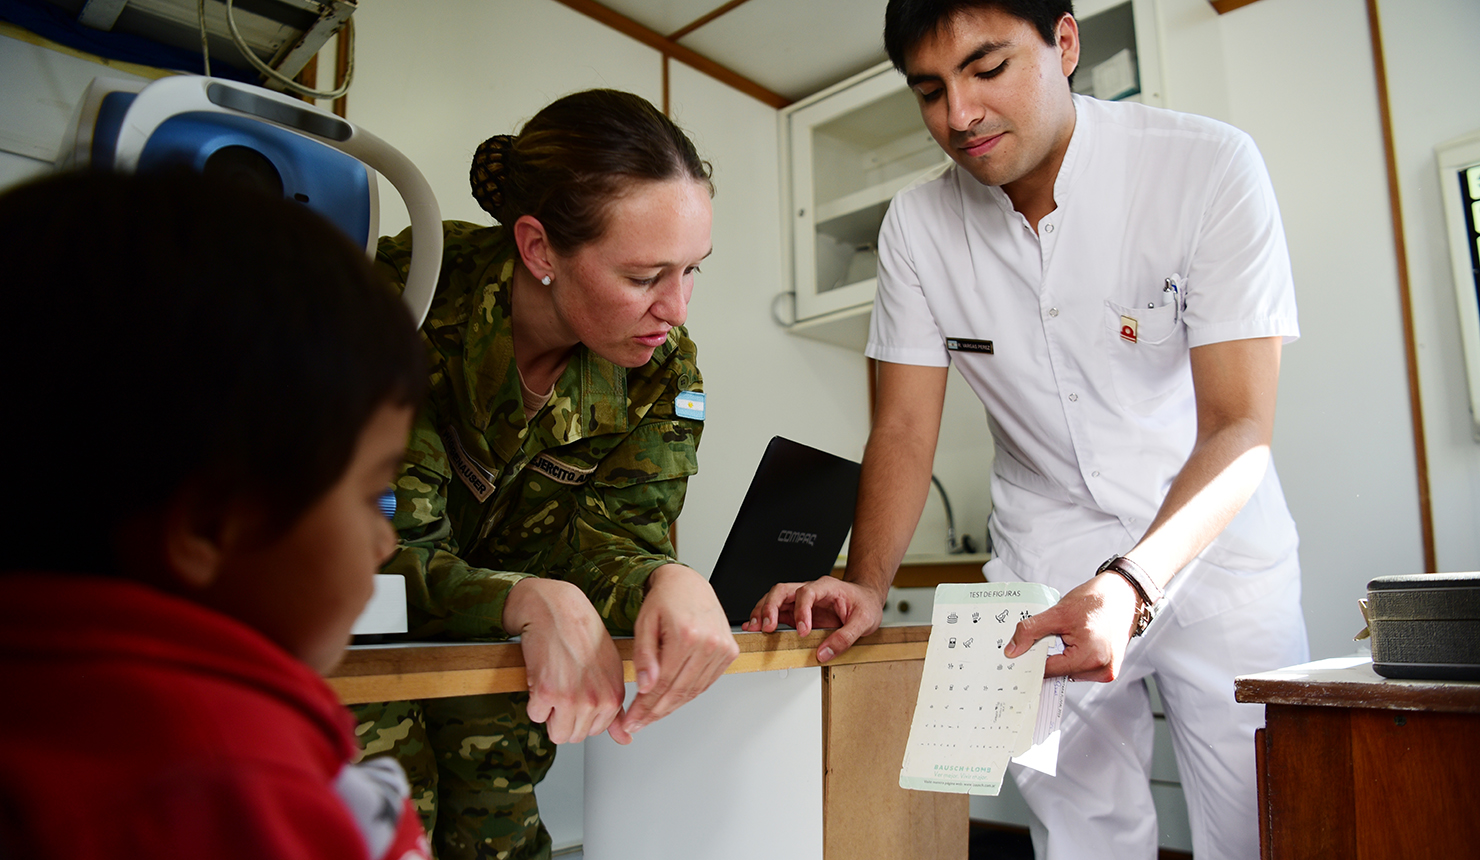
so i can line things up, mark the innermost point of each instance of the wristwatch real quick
(1148, 592)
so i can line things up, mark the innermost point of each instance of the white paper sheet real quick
(977, 709)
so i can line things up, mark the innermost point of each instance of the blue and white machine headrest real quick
(265, 139)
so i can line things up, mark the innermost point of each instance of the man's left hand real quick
(1094, 620)
(681, 644)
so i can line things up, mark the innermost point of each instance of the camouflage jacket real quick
(585, 492)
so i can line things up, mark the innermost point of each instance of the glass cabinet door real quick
(850, 153)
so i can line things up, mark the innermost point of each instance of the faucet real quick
(967, 545)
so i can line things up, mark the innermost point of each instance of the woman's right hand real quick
(575, 673)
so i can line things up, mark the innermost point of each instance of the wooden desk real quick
(1352, 764)
(868, 701)
(928, 571)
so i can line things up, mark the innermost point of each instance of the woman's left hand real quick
(682, 644)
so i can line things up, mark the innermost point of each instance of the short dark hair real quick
(575, 157)
(906, 22)
(169, 331)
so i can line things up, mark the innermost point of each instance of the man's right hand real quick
(828, 602)
(575, 673)
(892, 487)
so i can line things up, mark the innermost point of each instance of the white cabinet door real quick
(850, 150)
(736, 774)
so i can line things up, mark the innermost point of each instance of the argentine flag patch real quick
(689, 404)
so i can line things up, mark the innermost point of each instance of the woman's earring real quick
(545, 280)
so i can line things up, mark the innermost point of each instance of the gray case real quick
(1425, 626)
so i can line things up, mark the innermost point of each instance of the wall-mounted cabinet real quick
(847, 150)
(1119, 54)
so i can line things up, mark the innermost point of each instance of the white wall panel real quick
(436, 82)
(1434, 90)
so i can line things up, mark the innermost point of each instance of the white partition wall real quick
(733, 775)
(1433, 73)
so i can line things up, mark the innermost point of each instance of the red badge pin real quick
(1128, 328)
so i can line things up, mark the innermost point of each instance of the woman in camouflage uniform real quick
(551, 459)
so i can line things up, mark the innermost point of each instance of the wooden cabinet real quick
(860, 728)
(1355, 765)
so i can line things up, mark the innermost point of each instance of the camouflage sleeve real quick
(446, 594)
(393, 258)
(621, 529)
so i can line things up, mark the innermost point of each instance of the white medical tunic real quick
(1079, 350)
(1165, 236)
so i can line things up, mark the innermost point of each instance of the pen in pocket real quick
(1171, 294)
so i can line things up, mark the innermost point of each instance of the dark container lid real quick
(1425, 580)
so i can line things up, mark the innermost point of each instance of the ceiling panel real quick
(793, 47)
(664, 16)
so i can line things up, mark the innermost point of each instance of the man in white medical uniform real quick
(1113, 282)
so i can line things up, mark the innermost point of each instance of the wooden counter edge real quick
(1412, 696)
(931, 574)
(395, 673)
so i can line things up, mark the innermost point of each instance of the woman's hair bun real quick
(575, 157)
(490, 173)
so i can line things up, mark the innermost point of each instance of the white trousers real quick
(1099, 805)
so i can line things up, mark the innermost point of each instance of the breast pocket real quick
(1148, 354)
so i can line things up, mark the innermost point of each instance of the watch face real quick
(1144, 617)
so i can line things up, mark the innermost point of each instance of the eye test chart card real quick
(976, 709)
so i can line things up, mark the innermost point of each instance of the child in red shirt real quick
(207, 392)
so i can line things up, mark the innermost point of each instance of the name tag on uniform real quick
(689, 404)
(1128, 328)
(475, 477)
(961, 344)
(561, 472)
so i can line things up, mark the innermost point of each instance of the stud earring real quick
(545, 280)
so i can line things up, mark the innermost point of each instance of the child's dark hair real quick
(165, 332)
(906, 22)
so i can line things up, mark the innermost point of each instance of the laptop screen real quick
(790, 527)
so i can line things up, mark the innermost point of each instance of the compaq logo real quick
(789, 536)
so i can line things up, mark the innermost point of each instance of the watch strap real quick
(1148, 593)
(1136, 575)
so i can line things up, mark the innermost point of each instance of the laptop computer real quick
(790, 527)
